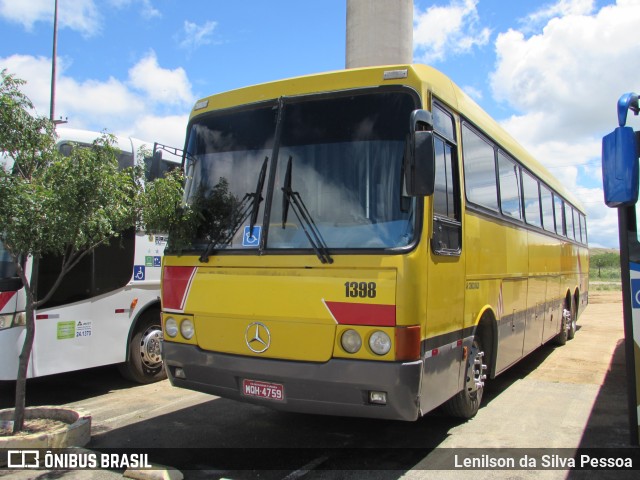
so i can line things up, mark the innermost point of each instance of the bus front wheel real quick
(144, 363)
(465, 404)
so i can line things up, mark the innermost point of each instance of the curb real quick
(77, 432)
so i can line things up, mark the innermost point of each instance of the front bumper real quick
(337, 387)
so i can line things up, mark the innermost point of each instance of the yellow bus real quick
(371, 244)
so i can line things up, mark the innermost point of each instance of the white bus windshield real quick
(7, 267)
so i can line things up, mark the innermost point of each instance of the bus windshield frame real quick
(335, 178)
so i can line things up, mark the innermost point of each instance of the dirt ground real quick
(598, 297)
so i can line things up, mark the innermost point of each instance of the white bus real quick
(107, 308)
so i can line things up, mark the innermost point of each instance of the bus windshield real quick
(338, 167)
(7, 267)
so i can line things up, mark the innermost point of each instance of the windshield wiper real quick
(293, 199)
(256, 198)
(248, 207)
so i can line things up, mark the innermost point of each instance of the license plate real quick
(268, 390)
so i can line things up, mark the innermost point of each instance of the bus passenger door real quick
(446, 280)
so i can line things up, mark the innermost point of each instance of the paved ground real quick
(559, 398)
(566, 397)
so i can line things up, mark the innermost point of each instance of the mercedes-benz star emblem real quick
(257, 337)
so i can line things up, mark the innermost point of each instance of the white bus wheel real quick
(144, 363)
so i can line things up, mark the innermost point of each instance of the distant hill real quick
(600, 251)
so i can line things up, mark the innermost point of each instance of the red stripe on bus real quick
(363, 313)
(5, 297)
(175, 286)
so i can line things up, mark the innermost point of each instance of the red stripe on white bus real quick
(5, 297)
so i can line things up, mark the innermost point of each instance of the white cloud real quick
(147, 11)
(553, 151)
(152, 105)
(37, 72)
(573, 71)
(161, 85)
(452, 29)
(26, 13)
(194, 35)
(168, 129)
(560, 9)
(103, 103)
(82, 16)
(567, 78)
(602, 221)
(79, 15)
(473, 92)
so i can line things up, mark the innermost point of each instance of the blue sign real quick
(138, 272)
(249, 240)
(635, 292)
(157, 261)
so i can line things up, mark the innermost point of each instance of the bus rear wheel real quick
(565, 328)
(465, 404)
(144, 363)
(573, 322)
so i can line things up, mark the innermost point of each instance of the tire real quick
(144, 363)
(573, 323)
(465, 404)
(563, 336)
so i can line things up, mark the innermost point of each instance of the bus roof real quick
(425, 80)
(126, 144)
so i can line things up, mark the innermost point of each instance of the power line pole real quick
(52, 107)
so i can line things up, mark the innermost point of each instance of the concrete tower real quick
(379, 32)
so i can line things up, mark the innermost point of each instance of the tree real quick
(67, 206)
(605, 260)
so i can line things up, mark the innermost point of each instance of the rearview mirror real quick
(419, 159)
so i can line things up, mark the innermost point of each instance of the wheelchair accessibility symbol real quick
(249, 240)
(635, 293)
(138, 272)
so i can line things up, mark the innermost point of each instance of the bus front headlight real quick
(6, 321)
(186, 328)
(351, 341)
(13, 320)
(171, 327)
(380, 343)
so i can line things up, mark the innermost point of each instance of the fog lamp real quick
(379, 398)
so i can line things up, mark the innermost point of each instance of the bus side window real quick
(509, 175)
(531, 192)
(547, 208)
(447, 225)
(479, 161)
(568, 216)
(559, 215)
(583, 228)
(107, 268)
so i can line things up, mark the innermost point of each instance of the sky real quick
(550, 72)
